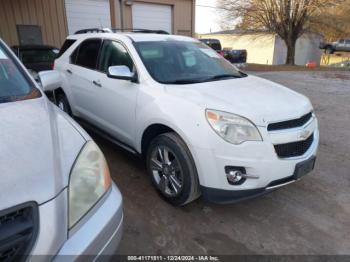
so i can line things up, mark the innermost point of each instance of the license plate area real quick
(303, 168)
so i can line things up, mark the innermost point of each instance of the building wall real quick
(260, 47)
(48, 14)
(183, 15)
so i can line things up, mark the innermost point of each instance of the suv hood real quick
(39, 145)
(257, 99)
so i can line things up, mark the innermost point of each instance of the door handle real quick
(97, 83)
(69, 71)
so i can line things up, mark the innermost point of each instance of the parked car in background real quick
(202, 126)
(56, 193)
(344, 64)
(342, 45)
(234, 56)
(36, 58)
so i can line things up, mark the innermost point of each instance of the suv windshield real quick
(178, 62)
(14, 85)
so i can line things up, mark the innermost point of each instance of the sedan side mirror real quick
(121, 72)
(50, 80)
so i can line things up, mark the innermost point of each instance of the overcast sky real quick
(207, 19)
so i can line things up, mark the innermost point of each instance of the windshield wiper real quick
(223, 76)
(184, 81)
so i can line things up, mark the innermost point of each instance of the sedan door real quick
(116, 97)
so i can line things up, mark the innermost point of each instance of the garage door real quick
(152, 16)
(82, 14)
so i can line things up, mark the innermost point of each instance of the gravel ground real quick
(308, 217)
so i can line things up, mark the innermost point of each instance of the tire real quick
(63, 104)
(172, 170)
(329, 50)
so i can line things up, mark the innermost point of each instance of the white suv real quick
(203, 126)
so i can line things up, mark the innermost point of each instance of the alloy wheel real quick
(166, 171)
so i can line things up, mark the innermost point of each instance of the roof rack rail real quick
(93, 30)
(140, 30)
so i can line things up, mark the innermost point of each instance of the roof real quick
(136, 37)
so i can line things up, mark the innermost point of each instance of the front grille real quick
(18, 231)
(294, 149)
(290, 123)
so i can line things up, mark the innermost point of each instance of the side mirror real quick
(50, 80)
(121, 72)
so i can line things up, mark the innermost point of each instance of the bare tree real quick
(287, 18)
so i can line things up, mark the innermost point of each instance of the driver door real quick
(117, 98)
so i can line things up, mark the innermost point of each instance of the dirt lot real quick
(308, 217)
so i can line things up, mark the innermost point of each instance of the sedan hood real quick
(38, 148)
(257, 99)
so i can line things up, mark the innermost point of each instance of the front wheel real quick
(329, 50)
(172, 169)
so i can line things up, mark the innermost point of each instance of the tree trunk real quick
(290, 43)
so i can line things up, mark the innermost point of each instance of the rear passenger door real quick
(116, 98)
(81, 74)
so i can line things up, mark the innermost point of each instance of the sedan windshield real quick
(14, 85)
(179, 62)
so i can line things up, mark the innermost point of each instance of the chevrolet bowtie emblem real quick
(304, 134)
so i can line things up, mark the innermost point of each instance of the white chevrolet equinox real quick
(204, 127)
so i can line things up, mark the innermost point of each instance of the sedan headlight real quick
(232, 128)
(89, 180)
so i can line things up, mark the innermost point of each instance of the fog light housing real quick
(235, 175)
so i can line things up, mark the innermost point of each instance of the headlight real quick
(233, 128)
(89, 180)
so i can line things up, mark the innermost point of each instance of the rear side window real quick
(67, 44)
(88, 53)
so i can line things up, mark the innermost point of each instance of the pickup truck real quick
(234, 56)
(342, 45)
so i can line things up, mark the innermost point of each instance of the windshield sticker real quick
(151, 53)
(210, 52)
(190, 59)
(2, 55)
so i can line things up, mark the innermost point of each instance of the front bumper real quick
(259, 159)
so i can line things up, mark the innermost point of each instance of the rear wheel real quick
(329, 50)
(172, 169)
(63, 104)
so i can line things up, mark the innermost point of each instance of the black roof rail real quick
(140, 30)
(91, 30)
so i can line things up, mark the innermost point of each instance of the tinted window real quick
(175, 62)
(114, 54)
(38, 56)
(347, 42)
(341, 41)
(14, 85)
(67, 44)
(88, 53)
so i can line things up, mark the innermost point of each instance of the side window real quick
(88, 53)
(347, 41)
(67, 44)
(341, 41)
(114, 54)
